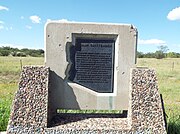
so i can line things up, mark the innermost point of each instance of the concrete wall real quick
(66, 94)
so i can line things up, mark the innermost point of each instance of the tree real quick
(149, 55)
(21, 54)
(161, 53)
(4, 53)
(173, 55)
(140, 55)
(163, 48)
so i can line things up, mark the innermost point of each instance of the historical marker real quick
(90, 64)
(94, 63)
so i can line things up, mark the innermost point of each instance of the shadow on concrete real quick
(70, 58)
(65, 118)
(61, 96)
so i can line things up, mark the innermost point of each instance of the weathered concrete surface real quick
(30, 108)
(60, 35)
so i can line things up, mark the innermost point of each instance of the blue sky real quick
(158, 21)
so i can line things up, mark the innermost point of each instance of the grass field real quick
(168, 72)
(10, 68)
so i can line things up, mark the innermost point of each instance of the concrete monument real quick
(93, 63)
(88, 66)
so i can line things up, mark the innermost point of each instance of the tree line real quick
(159, 54)
(7, 51)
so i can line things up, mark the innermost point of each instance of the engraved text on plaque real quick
(94, 63)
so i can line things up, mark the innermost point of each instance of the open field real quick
(10, 68)
(168, 72)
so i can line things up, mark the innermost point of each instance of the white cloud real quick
(1, 27)
(22, 17)
(61, 20)
(4, 8)
(35, 19)
(151, 42)
(174, 14)
(9, 28)
(48, 20)
(1, 22)
(28, 27)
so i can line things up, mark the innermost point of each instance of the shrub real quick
(4, 52)
(159, 55)
(21, 54)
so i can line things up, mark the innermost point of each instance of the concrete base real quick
(145, 113)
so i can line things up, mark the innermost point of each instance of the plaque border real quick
(106, 38)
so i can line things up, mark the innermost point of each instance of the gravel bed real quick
(90, 121)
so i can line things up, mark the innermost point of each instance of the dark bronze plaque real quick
(93, 64)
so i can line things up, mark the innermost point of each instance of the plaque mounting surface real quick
(93, 64)
(61, 40)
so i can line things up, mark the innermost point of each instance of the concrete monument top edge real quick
(90, 23)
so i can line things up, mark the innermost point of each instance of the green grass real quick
(168, 73)
(89, 111)
(10, 68)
